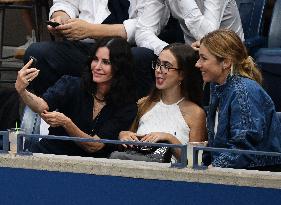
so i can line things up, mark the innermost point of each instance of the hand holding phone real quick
(34, 62)
(52, 23)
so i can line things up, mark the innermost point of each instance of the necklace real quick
(98, 106)
(99, 99)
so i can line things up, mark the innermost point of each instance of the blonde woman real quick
(241, 115)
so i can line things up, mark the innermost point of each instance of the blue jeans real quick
(31, 124)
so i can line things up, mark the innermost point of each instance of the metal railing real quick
(196, 150)
(5, 141)
(21, 151)
(181, 164)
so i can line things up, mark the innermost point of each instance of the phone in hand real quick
(52, 23)
(34, 62)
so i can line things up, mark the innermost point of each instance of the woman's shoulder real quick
(66, 85)
(246, 90)
(191, 110)
(69, 81)
(249, 87)
(240, 83)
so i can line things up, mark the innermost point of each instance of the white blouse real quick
(165, 118)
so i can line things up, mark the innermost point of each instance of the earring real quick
(231, 70)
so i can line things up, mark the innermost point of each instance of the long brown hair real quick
(226, 44)
(191, 86)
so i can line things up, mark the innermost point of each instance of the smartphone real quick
(34, 62)
(52, 23)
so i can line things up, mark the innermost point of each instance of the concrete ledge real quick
(144, 170)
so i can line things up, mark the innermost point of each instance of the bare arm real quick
(60, 15)
(197, 124)
(25, 76)
(77, 29)
(102, 30)
(73, 130)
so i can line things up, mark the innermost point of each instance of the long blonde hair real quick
(226, 44)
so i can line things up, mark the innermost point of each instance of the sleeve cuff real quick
(130, 27)
(61, 7)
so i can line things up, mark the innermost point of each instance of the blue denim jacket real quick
(246, 120)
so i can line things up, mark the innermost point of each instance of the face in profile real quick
(167, 73)
(211, 69)
(101, 66)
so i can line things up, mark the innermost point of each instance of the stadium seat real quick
(251, 13)
(269, 59)
(279, 116)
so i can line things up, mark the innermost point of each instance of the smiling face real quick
(211, 69)
(172, 78)
(101, 67)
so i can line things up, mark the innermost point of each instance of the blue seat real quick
(269, 59)
(279, 115)
(251, 13)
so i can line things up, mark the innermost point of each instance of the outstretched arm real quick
(25, 76)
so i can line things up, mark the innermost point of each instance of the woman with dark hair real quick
(241, 115)
(98, 105)
(172, 111)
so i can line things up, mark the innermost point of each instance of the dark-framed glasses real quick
(165, 67)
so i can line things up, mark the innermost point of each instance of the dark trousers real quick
(58, 58)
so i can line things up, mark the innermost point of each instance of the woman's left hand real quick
(154, 137)
(55, 119)
(25, 76)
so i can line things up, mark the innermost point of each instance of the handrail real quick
(196, 150)
(181, 164)
(5, 141)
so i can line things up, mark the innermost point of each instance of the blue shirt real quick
(246, 120)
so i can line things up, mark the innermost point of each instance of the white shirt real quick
(96, 12)
(196, 18)
(165, 118)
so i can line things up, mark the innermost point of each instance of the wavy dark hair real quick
(191, 86)
(123, 83)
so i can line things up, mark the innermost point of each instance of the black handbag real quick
(156, 154)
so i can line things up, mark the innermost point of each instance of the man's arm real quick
(77, 29)
(66, 7)
(154, 17)
(198, 23)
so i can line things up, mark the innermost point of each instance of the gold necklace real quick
(98, 105)
(98, 99)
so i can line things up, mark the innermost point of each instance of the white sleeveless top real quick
(165, 118)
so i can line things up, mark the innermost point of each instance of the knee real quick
(142, 54)
(38, 50)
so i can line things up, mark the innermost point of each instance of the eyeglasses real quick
(164, 68)
(104, 62)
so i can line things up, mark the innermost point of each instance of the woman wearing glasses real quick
(99, 105)
(172, 111)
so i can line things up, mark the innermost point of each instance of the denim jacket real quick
(246, 120)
